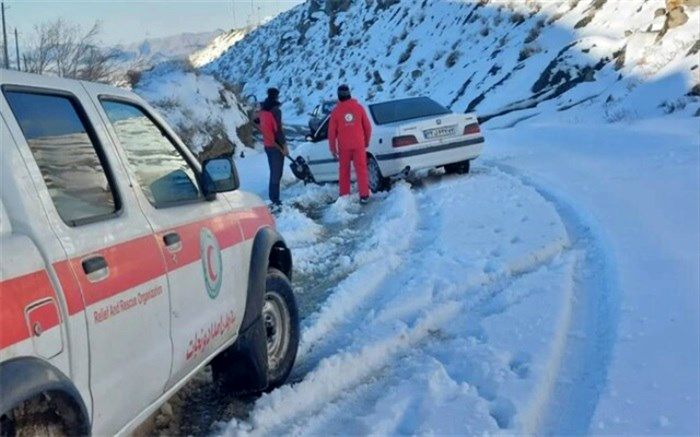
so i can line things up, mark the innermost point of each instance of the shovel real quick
(299, 168)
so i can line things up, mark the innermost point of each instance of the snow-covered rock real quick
(217, 46)
(206, 114)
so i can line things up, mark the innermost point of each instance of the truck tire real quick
(263, 356)
(461, 167)
(377, 181)
(35, 417)
(281, 319)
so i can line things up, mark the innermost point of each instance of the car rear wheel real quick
(377, 181)
(461, 167)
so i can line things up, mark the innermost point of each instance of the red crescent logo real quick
(212, 274)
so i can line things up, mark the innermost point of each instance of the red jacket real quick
(268, 127)
(349, 127)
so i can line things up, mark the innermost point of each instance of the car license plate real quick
(445, 131)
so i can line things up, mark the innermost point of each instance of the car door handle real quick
(172, 241)
(95, 268)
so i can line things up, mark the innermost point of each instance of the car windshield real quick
(328, 107)
(406, 109)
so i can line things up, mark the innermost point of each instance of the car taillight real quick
(404, 140)
(472, 129)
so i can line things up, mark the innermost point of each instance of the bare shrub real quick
(533, 34)
(517, 18)
(528, 51)
(406, 55)
(451, 60)
(64, 49)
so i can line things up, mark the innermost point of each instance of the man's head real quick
(344, 93)
(273, 93)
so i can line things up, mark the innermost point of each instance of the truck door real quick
(199, 238)
(111, 252)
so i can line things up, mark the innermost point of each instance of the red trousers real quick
(358, 156)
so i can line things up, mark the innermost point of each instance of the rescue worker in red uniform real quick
(349, 132)
(270, 123)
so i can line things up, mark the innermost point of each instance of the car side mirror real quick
(219, 175)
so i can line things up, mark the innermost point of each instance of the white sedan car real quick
(407, 134)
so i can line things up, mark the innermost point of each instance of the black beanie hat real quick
(273, 93)
(344, 92)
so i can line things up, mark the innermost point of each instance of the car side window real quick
(165, 176)
(67, 152)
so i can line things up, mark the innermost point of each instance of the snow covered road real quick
(443, 309)
(553, 290)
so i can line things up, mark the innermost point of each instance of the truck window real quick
(163, 173)
(66, 150)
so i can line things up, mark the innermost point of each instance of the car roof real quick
(403, 99)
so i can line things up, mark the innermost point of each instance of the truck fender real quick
(25, 378)
(269, 250)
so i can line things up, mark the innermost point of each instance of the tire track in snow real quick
(380, 254)
(573, 394)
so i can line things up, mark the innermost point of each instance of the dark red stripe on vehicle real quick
(127, 269)
(16, 295)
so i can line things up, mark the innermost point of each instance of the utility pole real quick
(19, 67)
(4, 37)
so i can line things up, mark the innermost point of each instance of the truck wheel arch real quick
(26, 378)
(269, 250)
(243, 366)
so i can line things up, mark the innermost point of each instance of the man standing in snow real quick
(274, 141)
(349, 132)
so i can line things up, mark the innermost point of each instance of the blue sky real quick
(126, 21)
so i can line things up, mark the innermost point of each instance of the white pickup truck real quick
(126, 266)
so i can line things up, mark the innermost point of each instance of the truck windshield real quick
(406, 109)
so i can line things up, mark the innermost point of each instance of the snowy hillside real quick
(152, 51)
(217, 46)
(206, 113)
(626, 59)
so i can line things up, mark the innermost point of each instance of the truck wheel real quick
(281, 319)
(461, 167)
(377, 182)
(33, 418)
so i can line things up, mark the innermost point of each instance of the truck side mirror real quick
(219, 175)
